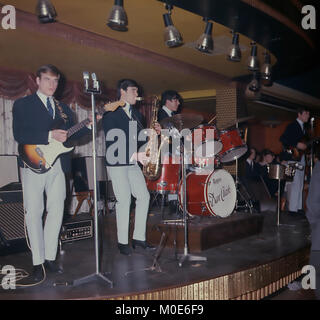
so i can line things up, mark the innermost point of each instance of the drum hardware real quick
(182, 121)
(155, 265)
(277, 172)
(237, 121)
(248, 203)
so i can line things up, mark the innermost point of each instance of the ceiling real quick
(81, 41)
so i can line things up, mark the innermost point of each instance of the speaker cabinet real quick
(12, 234)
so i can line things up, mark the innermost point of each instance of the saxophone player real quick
(123, 169)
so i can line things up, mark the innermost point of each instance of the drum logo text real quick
(224, 192)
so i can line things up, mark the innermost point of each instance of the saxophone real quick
(152, 167)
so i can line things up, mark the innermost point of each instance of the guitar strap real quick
(62, 114)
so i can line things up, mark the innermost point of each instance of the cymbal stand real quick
(248, 203)
(186, 256)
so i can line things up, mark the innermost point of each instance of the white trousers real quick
(295, 189)
(44, 240)
(127, 180)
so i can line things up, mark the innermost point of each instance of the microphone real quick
(139, 98)
(86, 79)
(95, 81)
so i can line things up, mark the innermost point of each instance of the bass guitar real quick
(41, 157)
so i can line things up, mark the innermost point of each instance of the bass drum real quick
(211, 195)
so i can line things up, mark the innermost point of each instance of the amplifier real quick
(76, 230)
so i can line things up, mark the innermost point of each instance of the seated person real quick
(267, 158)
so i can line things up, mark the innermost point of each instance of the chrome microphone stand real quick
(98, 247)
(186, 256)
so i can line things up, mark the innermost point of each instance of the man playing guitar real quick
(294, 147)
(34, 123)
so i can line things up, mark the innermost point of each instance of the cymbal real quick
(182, 121)
(237, 121)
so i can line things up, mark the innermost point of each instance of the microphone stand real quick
(186, 256)
(97, 275)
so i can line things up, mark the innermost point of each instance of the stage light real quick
(253, 62)
(266, 71)
(254, 85)
(46, 11)
(118, 20)
(234, 53)
(172, 36)
(205, 42)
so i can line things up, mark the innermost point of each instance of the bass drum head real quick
(220, 193)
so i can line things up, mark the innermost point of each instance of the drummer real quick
(170, 102)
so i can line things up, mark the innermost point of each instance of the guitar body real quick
(40, 158)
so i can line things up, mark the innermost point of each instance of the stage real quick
(264, 259)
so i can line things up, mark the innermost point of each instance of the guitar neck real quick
(77, 127)
(112, 106)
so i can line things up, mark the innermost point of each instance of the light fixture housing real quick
(254, 85)
(205, 42)
(118, 19)
(45, 11)
(253, 61)
(266, 71)
(171, 35)
(234, 53)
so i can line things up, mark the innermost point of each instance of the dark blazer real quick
(162, 115)
(291, 136)
(32, 123)
(122, 143)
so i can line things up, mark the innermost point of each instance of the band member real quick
(170, 101)
(122, 128)
(292, 138)
(34, 123)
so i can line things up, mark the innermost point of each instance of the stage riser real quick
(208, 232)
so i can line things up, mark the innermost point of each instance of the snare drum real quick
(232, 145)
(211, 195)
(169, 177)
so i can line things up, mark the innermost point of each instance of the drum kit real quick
(209, 189)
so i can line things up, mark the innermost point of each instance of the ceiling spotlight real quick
(234, 53)
(46, 11)
(253, 62)
(118, 20)
(254, 85)
(205, 42)
(266, 71)
(172, 36)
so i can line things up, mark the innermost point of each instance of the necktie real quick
(130, 112)
(49, 106)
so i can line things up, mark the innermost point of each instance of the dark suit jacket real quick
(162, 115)
(32, 123)
(291, 136)
(123, 142)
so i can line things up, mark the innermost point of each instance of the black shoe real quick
(142, 244)
(125, 249)
(37, 273)
(52, 266)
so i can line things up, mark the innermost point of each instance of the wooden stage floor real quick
(251, 267)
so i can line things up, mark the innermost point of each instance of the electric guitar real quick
(41, 157)
(297, 153)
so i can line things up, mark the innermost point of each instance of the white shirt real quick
(43, 98)
(301, 124)
(167, 110)
(126, 109)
